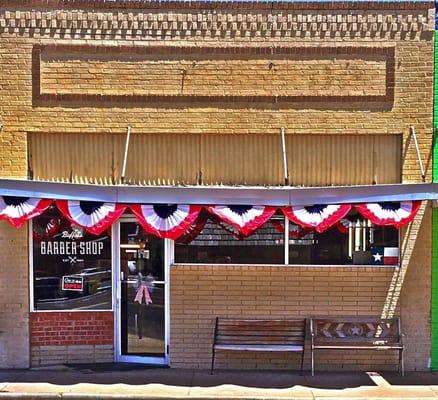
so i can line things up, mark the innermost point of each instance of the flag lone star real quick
(377, 257)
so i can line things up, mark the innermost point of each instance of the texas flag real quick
(384, 255)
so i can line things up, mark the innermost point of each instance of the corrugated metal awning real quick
(276, 196)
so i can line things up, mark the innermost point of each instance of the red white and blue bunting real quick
(343, 225)
(390, 213)
(17, 210)
(46, 231)
(173, 221)
(319, 216)
(193, 231)
(166, 220)
(295, 231)
(94, 216)
(246, 219)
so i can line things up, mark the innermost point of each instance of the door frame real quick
(168, 260)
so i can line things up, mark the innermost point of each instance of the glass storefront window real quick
(220, 244)
(71, 268)
(352, 241)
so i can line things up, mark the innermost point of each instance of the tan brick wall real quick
(415, 299)
(200, 293)
(22, 28)
(14, 297)
(409, 33)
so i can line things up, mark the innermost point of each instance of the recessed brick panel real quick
(215, 73)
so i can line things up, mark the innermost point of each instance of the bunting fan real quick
(295, 231)
(47, 230)
(94, 216)
(17, 210)
(390, 213)
(343, 225)
(166, 220)
(319, 216)
(194, 231)
(244, 218)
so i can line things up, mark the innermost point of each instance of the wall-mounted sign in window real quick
(71, 268)
(75, 283)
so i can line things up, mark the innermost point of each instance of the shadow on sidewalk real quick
(134, 374)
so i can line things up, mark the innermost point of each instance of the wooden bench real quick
(235, 334)
(356, 333)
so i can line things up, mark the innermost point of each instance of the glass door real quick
(141, 303)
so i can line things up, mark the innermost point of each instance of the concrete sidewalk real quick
(157, 383)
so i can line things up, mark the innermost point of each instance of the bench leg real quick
(302, 361)
(313, 361)
(401, 363)
(212, 361)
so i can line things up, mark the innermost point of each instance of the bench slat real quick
(271, 324)
(261, 328)
(257, 347)
(256, 332)
(258, 341)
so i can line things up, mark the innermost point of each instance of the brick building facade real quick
(206, 88)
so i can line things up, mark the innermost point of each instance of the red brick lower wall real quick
(78, 336)
(71, 328)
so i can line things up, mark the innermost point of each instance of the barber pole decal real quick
(17, 210)
(168, 221)
(246, 219)
(390, 213)
(94, 216)
(318, 216)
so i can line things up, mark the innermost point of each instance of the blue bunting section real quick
(174, 221)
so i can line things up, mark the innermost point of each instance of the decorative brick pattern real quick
(222, 20)
(72, 328)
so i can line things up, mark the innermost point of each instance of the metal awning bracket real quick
(420, 162)
(125, 156)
